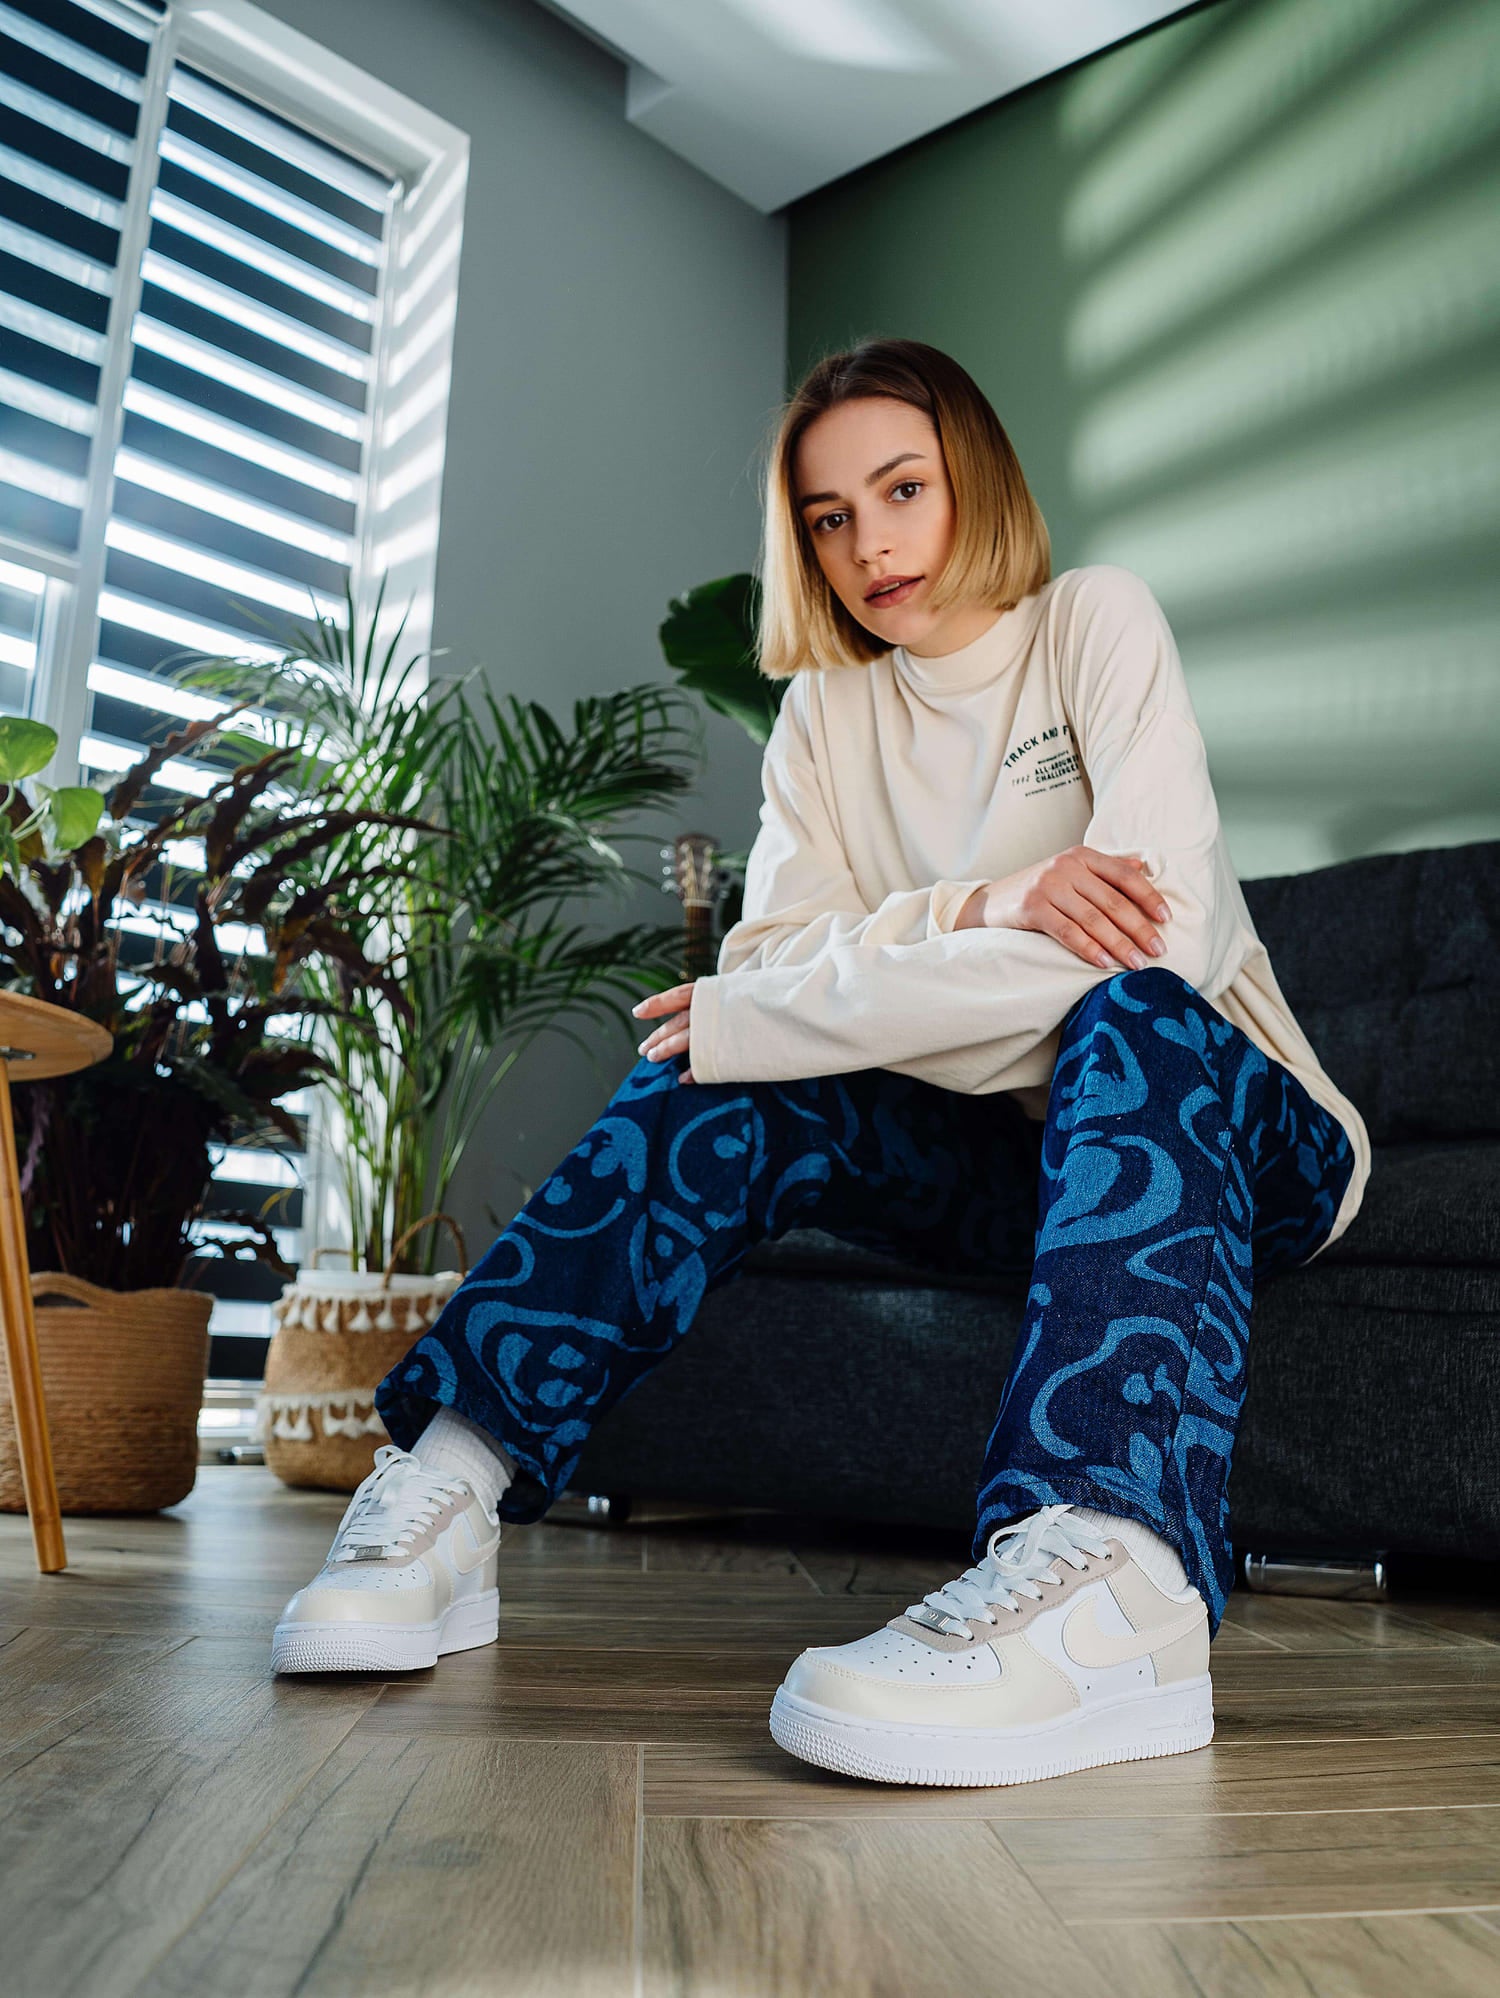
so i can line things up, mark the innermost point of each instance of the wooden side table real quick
(38, 1041)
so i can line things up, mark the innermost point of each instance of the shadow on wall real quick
(1233, 289)
(1284, 281)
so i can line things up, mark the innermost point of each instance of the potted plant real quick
(525, 817)
(197, 931)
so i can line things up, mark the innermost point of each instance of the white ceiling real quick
(776, 97)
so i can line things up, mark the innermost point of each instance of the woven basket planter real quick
(122, 1376)
(338, 1333)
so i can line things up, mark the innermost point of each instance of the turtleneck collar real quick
(973, 665)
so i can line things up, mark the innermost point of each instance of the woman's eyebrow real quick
(815, 499)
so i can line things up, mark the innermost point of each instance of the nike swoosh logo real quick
(1087, 1645)
(466, 1558)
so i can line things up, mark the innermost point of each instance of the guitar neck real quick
(699, 955)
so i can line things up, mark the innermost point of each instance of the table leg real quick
(33, 1444)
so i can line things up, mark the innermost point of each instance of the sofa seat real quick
(827, 1379)
(1434, 1201)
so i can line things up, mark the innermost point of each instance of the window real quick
(71, 82)
(228, 267)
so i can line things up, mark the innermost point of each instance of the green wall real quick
(1233, 289)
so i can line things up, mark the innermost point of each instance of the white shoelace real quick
(1017, 1562)
(397, 1499)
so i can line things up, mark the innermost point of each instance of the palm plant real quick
(524, 816)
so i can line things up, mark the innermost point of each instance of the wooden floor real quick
(594, 1807)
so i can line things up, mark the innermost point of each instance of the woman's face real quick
(870, 483)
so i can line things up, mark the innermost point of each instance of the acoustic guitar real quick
(693, 874)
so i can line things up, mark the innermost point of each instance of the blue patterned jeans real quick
(1178, 1168)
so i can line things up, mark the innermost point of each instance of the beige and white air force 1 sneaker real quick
(411, 1574)
(1056, 1652)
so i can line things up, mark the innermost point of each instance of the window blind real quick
(237, 491)
(238, 477)
(70, 103)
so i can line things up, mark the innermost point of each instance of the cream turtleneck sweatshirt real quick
(894, 790)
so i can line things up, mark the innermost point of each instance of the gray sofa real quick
(824, 1378)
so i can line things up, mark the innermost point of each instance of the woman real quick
(995, 1000)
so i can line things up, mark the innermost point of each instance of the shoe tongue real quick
(925, 1633)
(1042, 1562)
(932, 1622)
(384, 1520)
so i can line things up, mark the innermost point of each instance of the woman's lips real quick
(897, 596)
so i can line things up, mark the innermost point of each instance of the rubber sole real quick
(1167, 1720)
(386, 1647)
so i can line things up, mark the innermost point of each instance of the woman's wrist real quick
(971, 915)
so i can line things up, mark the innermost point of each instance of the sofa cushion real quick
(1426, 1204)
(1431, 1202)
(810, 1252)
(1391, 964)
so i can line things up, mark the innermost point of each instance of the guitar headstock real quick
(693, 872)
(690, 865)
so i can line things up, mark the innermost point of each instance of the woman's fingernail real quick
(1156, 946)
(1137, 961)
(1162, 912)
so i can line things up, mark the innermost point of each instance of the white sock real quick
(1148, 1550)
(453, 1444)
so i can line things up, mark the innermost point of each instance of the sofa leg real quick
(589, 1509)
(1345, 1578)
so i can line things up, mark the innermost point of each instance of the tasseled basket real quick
(338, 1333)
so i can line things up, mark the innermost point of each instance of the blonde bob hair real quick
(1001, 551)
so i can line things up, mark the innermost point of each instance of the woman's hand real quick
(1091, 901)
(671, 1037)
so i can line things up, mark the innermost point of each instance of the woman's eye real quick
(828, 521)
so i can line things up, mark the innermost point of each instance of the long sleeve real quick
(977, 1010)
(800, 896)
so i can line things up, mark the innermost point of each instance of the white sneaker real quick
(1056, 1652)
(411, 1574)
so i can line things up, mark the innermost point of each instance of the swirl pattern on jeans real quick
(1180, 1167)
(1176, 1166)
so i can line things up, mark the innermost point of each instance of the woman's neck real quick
(957, 627)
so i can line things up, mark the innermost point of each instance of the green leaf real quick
(76, 811)
(25, 747)
(709, 641)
